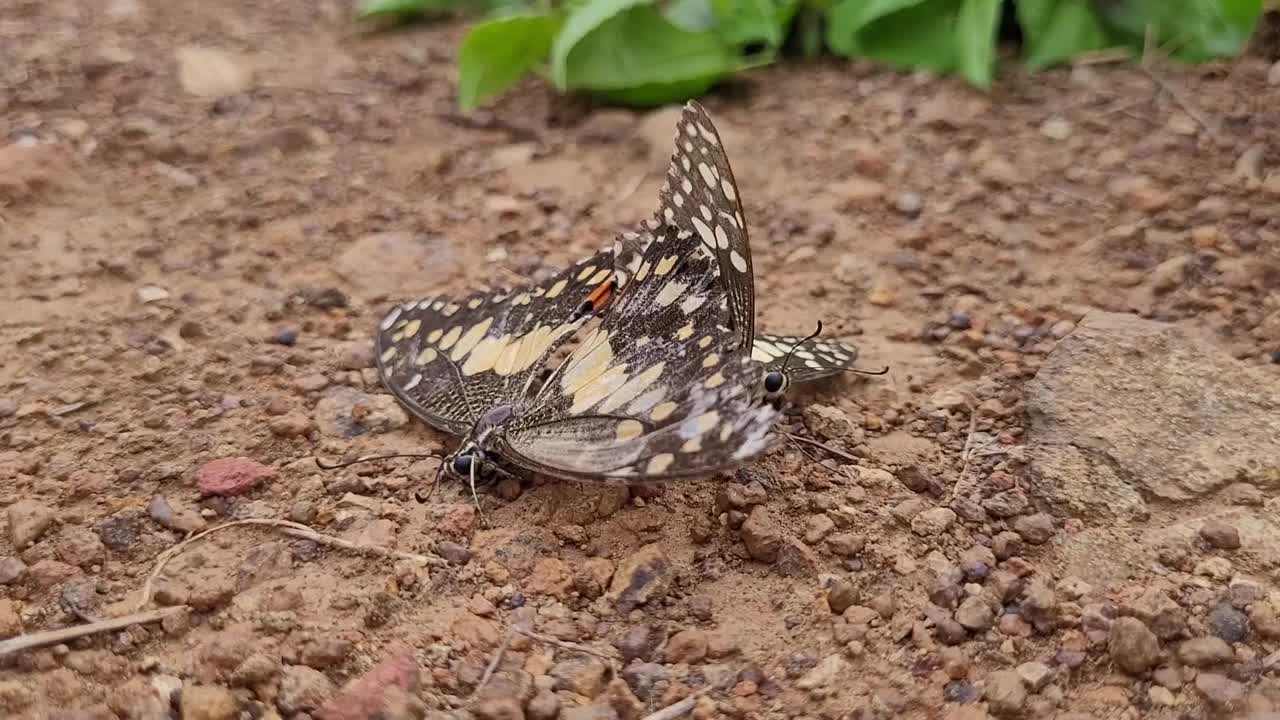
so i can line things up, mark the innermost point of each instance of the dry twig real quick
(675, 710)
(288, 528)
(51, 637)
(575, 647)
(838, 453)
(493, 664)
(965, 455)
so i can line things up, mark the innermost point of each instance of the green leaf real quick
(495, 54)
(747, 21)
(641, 52)
(379, 8)
(1055, 31)
(691, 15)
(1191, 30)
(849, 18)
(582, 20)
(976, 26)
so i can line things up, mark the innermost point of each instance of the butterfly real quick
(658, 389)
(700, 196)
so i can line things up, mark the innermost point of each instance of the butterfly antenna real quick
(422, 498)
(370, 458)
(474, 495)
(881, 371)
(795, 347)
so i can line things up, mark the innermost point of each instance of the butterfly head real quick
(468, 462)
(775, 384)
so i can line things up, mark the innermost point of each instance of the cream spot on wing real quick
(388, 354)
(587, 362)
(598, 389)
(412, 328)
(450, 309)
(813, 364)
(711, 360)
(484, 355)
(692, 445)
(437, 305)
(804, 354)
(641, 342)
(646, 401)
(691, 303)
(685, 332)
(475, 303)
(658, 464)
(729, 192)
(669, 215)
(665, 265)
(670, 292)
(708, 136)
(538, 292)
(632, 388)
(522, 299)
(505, 363)
(413, 381)
(390, 319)
(586, 272)
(662, 411)
(739, 262)
(767, 347)
(706, 212)
(684, 161)
(643, 272)
(678, 199)
(558, 288)
(629, 429)
(450, 338)
(426, 356)
(704, 232)
(600, 277)
(688, 146)
(473, 335)
(722, 238)
(686, 185)
(725, 432)
(707, 177)
(691, 131)
(714, 381)
(705, 341)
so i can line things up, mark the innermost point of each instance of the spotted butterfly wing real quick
(659, 390)
(450, 360)
(700, 195)
(815, 359)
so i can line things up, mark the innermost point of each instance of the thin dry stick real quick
(1183, 101)
(964, 455)
(288, 528)
(575, 647)
(838, 453)
(50, 637)
(497, 658)
(675, 710)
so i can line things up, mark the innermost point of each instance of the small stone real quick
(1228, 623)
(819, 527)
(1005, 692)
(151, 293)
(643, 577)
(544, 706)
(1250, 164)
(1035, 675)
(1264, 616)
(962, 692)
(203, 702)
(504, 707)
(975, 614)
(999, 172)
(1132, 646)
(831, 423)
(827, 671)
(1014, 626)
(181, 519)
(908, 203)
(933, 522)
(1035, 529)
(10, 620)
(28, 521)
(908, 509)
(949, 632)
(585, 676)
(255, 669)
(1243, 494)
(1040, 605)
(1205, 651)
(1161, 696)
(762, 535)
(1222, 692)
(211, 73)
(1216, 568)
(303, 689)
(847, 544)
(640, 642)
(231, 476)
(212, 593)
(841, 596)
(551, 576)
(1006, 545)
(371, 694)
(1220, 534)
(453, 553)
(12, 570)
(1055, 128)
(325, 652)
(687, 646)
(291, 424)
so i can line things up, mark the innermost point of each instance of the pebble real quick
(28, 521)
(325, 651)
(212, 593)
(1220, 534)
(1040, 605)
(1055, 128)
(1006, 504)
(303, 689)
(906, 510)
(1264, 616)
(842, 595)
(585, 676)
(1205, 651)
(933, 522)
(908, 203)
(504, 707)
(1006, 544)
(818, 527)
(255, 669)
(12, 570)
(10, 620)
(545, 705)
(292, 424)
(641, 578)
(151, 293)
(1216, 568)
(831, 423)
(1222, 692)
(1035, 529)
(1035, 675)
(1161, 696)
(1243, 494)
(180, 519)
(231, 476)
(1005, 692)
(212, 73)
(1228, 623)
(975, 614)
(453, 553)
(762, 535)
(640, 642)
(847, 544)
(687, 646)
(1132, 646)
(826, 672)
(205, 702)
(961, 692)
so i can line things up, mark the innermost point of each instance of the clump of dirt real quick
(206, 208)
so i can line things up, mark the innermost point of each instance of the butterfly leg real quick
(475, 496)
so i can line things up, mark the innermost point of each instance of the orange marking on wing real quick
(601, 296)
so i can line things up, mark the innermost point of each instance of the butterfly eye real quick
(774, 381)
(462, 464)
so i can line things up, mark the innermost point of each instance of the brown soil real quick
(197, 276)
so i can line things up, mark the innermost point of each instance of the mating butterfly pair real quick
(664, 387)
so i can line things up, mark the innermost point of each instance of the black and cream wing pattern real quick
(813, 359)
(448, 360)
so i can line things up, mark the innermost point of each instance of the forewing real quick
(658, 390)
(815, 359)
(449, 360)
(700, 195)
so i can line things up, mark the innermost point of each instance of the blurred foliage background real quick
(653, 52)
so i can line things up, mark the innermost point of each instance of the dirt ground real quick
(206, 207)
